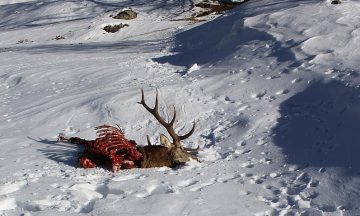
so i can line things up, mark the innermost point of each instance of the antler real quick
(168, 126)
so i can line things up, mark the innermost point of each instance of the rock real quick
(126, 14)
(114, 28)
(335, 2)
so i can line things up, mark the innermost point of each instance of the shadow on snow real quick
(59, 152)
(320, 127)
(118, 47)
(218, 39)
(42, 13)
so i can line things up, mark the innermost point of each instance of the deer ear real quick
(165, 141)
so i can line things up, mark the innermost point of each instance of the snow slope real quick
(273, 87)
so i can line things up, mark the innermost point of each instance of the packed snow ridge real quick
(273, 86)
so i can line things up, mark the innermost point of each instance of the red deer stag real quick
(112, 148)
(170, 154)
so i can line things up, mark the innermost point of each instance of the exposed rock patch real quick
(114, 28)
(215, 7)
(126, 15)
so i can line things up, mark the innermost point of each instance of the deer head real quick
(170, 153)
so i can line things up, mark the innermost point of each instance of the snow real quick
(273, 87)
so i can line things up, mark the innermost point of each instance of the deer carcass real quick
(111, 147)
(169, 153)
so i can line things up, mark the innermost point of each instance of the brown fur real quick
(169, 153)
(158, 156)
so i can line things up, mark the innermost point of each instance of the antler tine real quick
(148, 140)
(174, 117)
(153, 111)
(168, 126)
(188, 134)
(143, 101)
(157, 101)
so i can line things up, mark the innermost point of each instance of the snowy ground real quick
(273, 86)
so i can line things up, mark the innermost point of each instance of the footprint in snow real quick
(303, 178)
(89, 191)
(265, 161)
(246, 175)
(227, 99)
(256, 180)
(302, 184)
(270, 98)
(86, 195)
(296, 80)
(242, 151)
(283, 91)
(203, 185)
(262, 141)
(308, 195)
(293, 190)
(275, 175)
(186, 183)
(248, 164)
(274, 190)
(258, 95)
(155, 188)
(227, 178)
(13, 81)
(270, 200)
(273, 77)
(314, 183)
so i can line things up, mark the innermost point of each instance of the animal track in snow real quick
(227, 178)
(258, 95)
(186, 183)
(269, 199)
(308, 194)
(86, 194)
(283, 91)
(296, 80)
(265, 161)
(295, 193)
(293, 190)
(89, 190)
(273, 77)
(270, 98)
(274, 190)
(275, 175)
(314, 183)
(13, 81)
(248, 164)
(242, 151)
(203, 185)
(303, 177)
(154, 188)
(256, 180)
(261, 141)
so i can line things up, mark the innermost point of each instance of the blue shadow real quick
(320, 127)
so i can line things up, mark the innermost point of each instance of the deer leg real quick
(86, 162)
(74, 140)
(88, 159)
(117, 161)
(128, 164)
